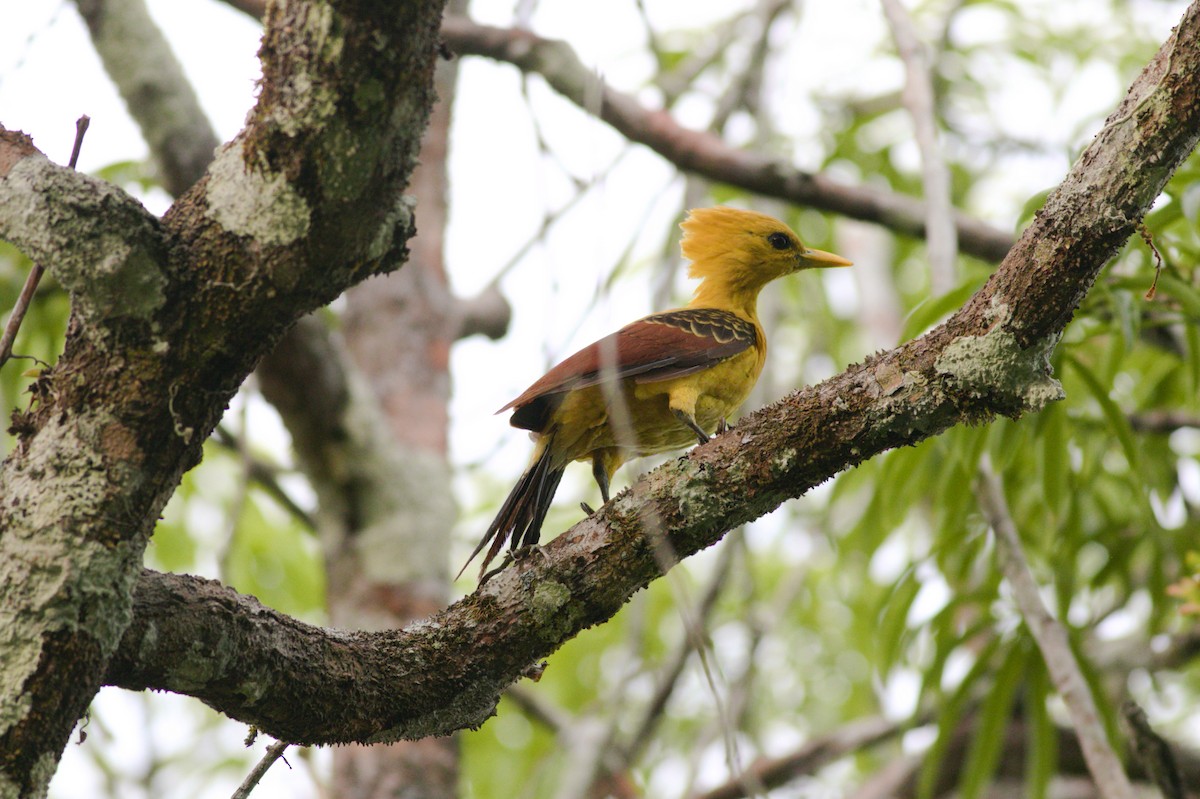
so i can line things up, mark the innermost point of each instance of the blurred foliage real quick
(1187, 589)
(879, 594)
(40, 337)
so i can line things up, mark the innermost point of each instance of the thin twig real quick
(1148, 237)
(693, 639)
(843, 741)
(1051, 638)
(941, 236)
(81, 126)
(681, 77)
(695, 618)
(888, 782)
(537, 707)
(1162, 421)
(744, 90)
(35, 273)
(274, 752)
(549, 218)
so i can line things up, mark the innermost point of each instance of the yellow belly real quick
(631, 419)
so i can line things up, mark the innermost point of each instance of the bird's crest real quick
(714, 239)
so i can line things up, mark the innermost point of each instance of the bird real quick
(660, 383)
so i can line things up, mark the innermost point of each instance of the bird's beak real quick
(821, 259)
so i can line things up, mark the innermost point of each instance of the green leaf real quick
(173, 548)
(126, 173)
(278, 562)
(1192, 334)
(928, 313)
(994, 717)
(1041, 743)
(1187, 296)
(1056, 464)
(1117, 422)
(1189, 201)
(1096, 685)
(893, 620)
(1034, 203)
(1009, 442)
(1128, 316)
(952, 711)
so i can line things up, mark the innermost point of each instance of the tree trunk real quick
(399, 331)
(168, 318)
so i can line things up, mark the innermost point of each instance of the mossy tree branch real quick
(990, 358)
(288, 215)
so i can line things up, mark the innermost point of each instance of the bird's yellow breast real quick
(636, 418)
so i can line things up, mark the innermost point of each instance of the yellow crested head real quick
(734, 253)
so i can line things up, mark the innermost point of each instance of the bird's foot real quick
(522, 554)
(690, 422)
(587, 509)
(514, 555)
(723, 426)
(485, 576)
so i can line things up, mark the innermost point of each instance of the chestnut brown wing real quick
(658, 347)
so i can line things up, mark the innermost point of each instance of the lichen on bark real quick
(995, 366)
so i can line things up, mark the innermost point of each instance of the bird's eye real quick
(780, 241)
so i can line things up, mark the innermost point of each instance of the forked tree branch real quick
(169, 316)
(308, 685)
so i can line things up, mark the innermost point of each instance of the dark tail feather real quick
(520, 518)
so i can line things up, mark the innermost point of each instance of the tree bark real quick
(168, 317)
(399, 331)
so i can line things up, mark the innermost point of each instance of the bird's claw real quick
(485, 576)
(522, 554)
(515, 555)
(587, 509)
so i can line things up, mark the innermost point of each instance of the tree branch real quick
(446, 672)
(1013, 765)
(940, 234)
(139, 61)
(96, 240)
(170, 317)
(1054, 644)
(274, 752)
(772, 772)
(1162, 421)
(1152, 752)
(488, 314)
(368, 485)
(704, 153)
